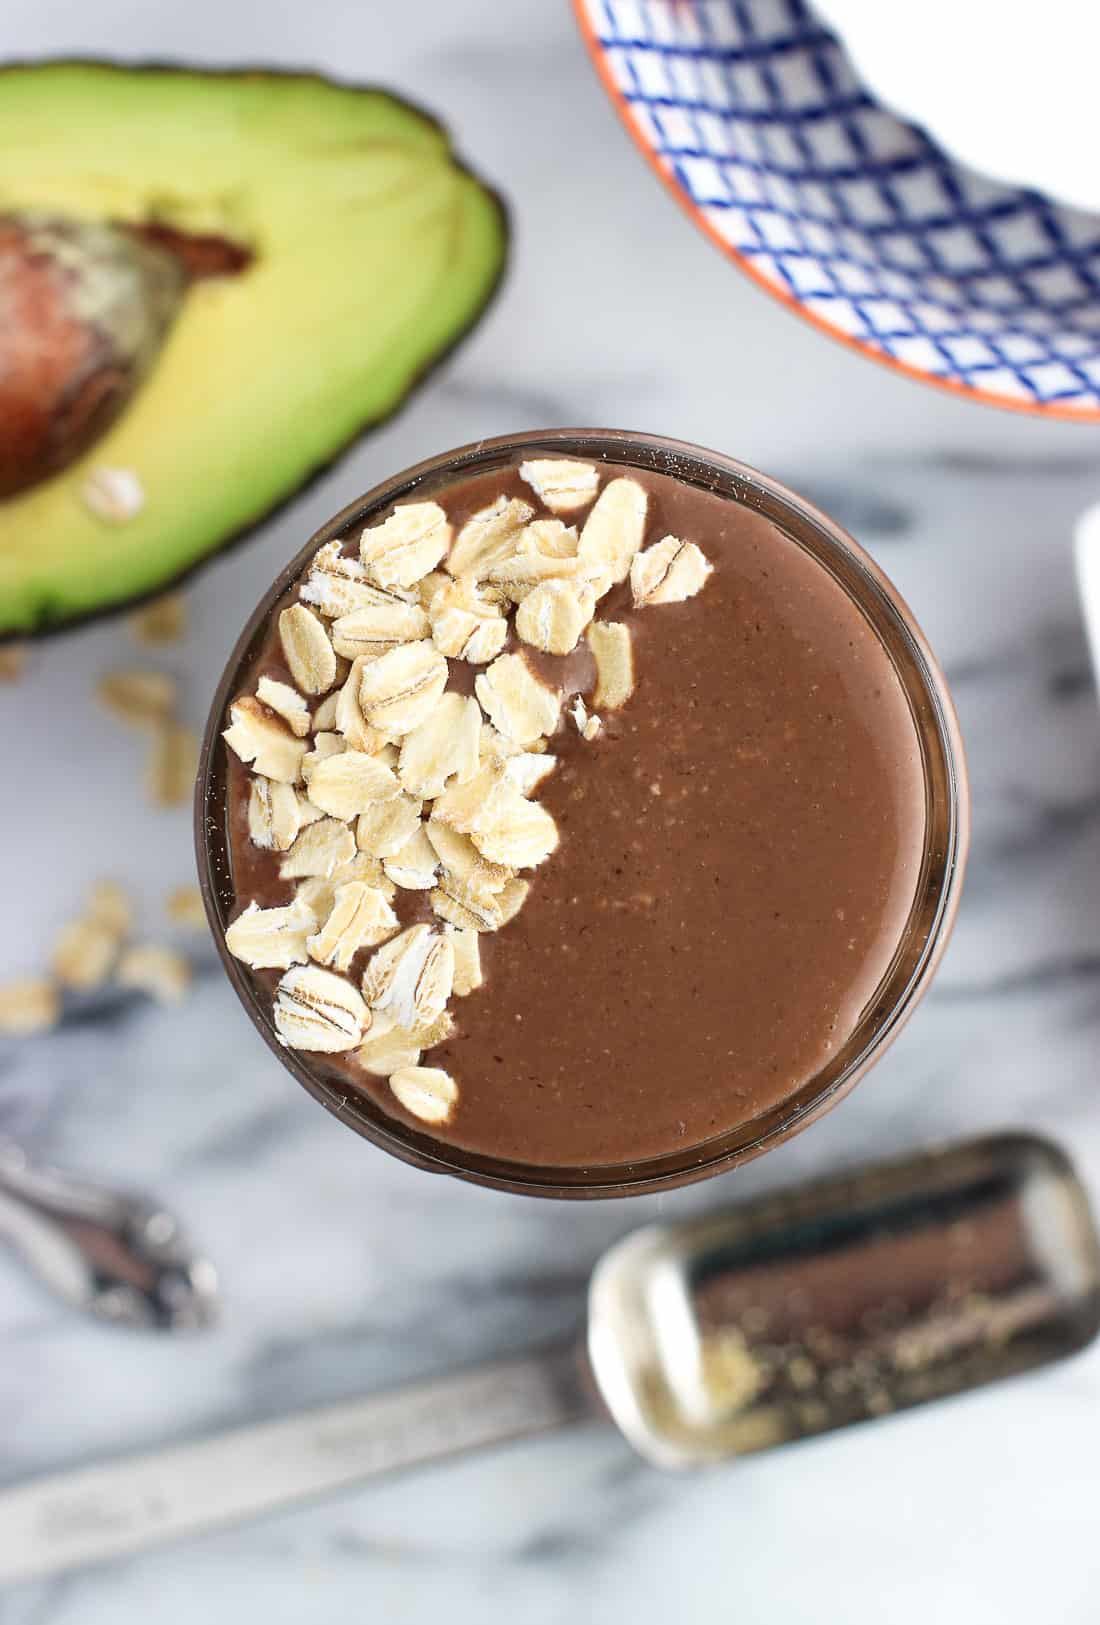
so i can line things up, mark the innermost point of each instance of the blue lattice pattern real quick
(755, 113)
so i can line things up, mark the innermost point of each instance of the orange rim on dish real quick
(951, 386)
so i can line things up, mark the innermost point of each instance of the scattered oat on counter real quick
(162, 620)
(184, 907)
(13, 661)
(87, 948)
(84, 953)
(110, 905)
(172, 765)
(142, 699)
(148, 700)
(161, 972)
(31, 1004)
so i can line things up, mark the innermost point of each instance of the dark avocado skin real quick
(237, 538)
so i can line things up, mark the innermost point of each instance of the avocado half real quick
(351, 250)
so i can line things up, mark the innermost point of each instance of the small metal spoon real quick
(117, 1256)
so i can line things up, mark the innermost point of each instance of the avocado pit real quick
(84, 309)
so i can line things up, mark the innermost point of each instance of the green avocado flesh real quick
(373, 251)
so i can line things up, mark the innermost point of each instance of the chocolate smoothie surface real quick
(738, 849)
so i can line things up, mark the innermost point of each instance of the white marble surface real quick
(342, 1269)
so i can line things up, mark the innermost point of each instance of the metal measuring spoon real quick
(119, 1257)
(846, 1300)
(802, 1312)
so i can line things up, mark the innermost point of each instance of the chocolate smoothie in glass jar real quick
(577, 814)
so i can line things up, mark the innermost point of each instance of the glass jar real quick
(936, 894)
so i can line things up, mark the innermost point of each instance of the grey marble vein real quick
(871, 513)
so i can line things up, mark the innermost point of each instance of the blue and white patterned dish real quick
(753, 115)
